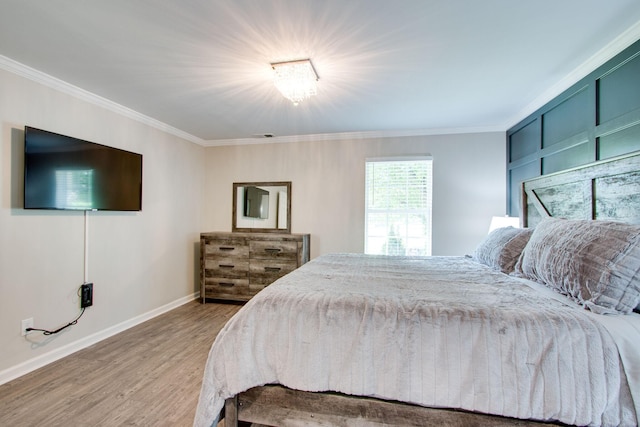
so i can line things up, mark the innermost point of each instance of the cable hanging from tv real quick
(81, 293)
(48, 332)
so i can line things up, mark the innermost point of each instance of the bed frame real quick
(275, 405)
(605, 190)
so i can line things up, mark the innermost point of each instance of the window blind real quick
(398, 206)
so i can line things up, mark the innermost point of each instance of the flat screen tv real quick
(61, 172)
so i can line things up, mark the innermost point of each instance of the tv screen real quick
(61, 172)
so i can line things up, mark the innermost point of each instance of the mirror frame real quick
(235, 213)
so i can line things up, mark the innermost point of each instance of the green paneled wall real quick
(596, 119)
(567, 119)
(619, 91)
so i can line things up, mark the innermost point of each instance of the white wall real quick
(328, 186)
(139, 262)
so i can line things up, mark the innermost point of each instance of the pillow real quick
(596, 263)
(502, 247)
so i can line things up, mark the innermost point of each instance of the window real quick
(398, 206)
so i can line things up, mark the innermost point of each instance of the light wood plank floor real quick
(149, 375)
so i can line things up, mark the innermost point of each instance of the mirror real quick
(261, 207)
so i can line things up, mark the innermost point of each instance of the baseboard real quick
(50, 357)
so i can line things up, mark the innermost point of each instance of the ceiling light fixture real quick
(296, 80)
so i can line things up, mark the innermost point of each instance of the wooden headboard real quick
(605, 190)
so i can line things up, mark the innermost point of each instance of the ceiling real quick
(386, 67)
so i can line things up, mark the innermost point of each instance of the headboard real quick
(604, 190)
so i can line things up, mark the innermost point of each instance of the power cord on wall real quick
(48, 332)
(73, 322)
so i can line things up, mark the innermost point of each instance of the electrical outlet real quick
(86, 295)
(26, 323)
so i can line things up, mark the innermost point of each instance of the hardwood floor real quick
(149, 375)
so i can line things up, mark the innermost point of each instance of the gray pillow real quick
(596, 263)
(502, 247)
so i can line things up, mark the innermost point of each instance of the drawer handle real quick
(272, 269)
(274, 250)
(227, 284)
(227, 266)
(227, 248)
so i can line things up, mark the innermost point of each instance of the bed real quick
(516, 334)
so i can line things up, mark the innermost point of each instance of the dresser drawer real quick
(237, 268)
(227, 288)
(264, 271)
(227, 247)
(275, 250)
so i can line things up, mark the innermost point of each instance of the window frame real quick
(429, 205)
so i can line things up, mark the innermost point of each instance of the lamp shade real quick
(504, 221)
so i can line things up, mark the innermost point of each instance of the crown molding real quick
(350, 136)
(616, 46)
(45, 79)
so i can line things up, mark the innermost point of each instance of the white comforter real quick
(438, 331)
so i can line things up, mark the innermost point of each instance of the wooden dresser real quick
(236, 266)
